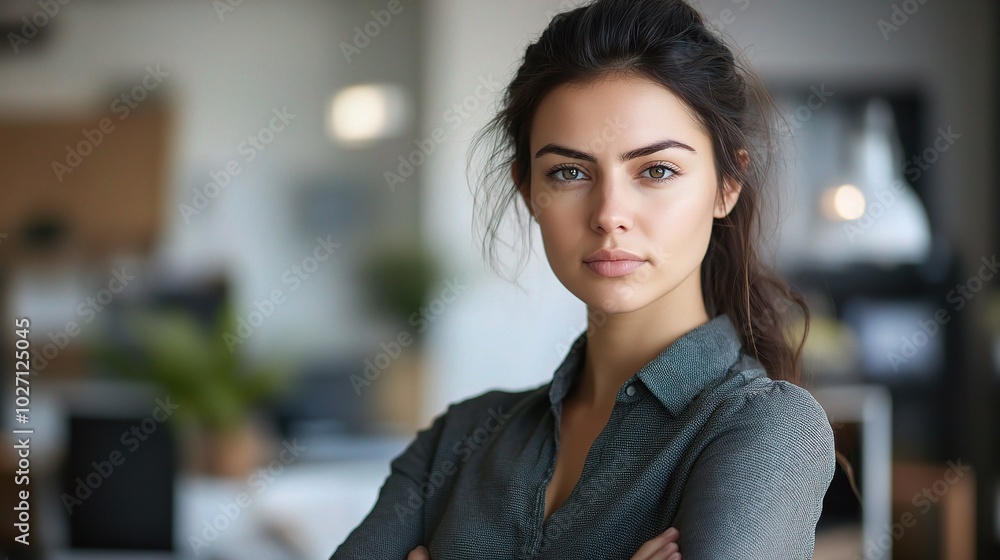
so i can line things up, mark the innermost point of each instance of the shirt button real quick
(630, 391)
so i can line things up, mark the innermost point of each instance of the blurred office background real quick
(240, 231)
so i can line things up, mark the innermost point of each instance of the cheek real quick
(546, 200)
(554, 209)
(563, 229)
(680, 227)
(556, 229)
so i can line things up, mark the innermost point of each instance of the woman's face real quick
(621, 164)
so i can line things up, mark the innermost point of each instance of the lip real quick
(613, 262)
(614, 254)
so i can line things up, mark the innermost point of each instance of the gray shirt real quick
(699, 439)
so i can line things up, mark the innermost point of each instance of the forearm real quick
(391, 529)
(395, 524)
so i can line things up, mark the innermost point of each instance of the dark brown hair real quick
(668, 42)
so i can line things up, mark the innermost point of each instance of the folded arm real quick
(395, 525)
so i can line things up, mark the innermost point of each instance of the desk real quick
(304, 511)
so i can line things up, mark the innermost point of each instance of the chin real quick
(621, 294)
(610, 298)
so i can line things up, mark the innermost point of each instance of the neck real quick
(619, 344)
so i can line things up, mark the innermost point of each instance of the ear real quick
(522, 188)
(726, 201)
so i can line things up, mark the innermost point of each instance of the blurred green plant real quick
(398, 278)
(194, 365)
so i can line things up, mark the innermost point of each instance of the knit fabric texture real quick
(700, 438)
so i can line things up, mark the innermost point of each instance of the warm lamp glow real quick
(842, 203)
(367, 112)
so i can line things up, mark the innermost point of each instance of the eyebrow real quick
(632, 154)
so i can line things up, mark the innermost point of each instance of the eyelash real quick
(675, 171)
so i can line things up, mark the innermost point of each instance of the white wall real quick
(495, 335)
(226, 75)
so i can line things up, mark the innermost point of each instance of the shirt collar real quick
(678, 373)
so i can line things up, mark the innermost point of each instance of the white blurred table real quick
(310, 508)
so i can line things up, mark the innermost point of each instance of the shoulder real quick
(783, 419)
(488, 409)
(496, 397)
(767, 461)
(494, 403)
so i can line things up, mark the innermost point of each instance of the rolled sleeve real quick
(756, 491)
(395, 525)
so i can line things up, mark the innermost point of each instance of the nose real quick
(612, 206)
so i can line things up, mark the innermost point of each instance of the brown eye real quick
(660, 172)
(573, 174)
(566, 174)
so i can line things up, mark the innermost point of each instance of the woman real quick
(641, 148)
